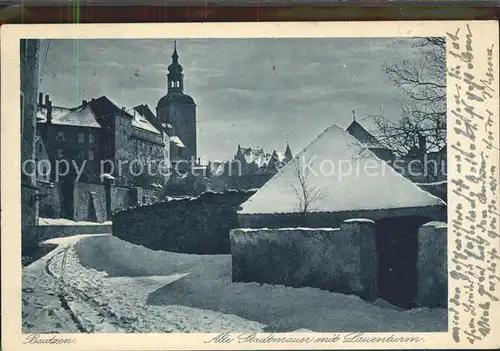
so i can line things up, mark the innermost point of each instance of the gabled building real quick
(346, 186)
(421, 166)
(71, 134)
(251, 161)
(132, 146)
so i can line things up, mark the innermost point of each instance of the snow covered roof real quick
(81, 116)
(141, 122)
(177, 141)
(281, 156)
(256, 156)
(371, 184)
(217, 168)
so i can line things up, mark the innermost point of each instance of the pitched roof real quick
(146, 112)
(363, 136)
(104, 108)
(371, 184)
(81, 116)
(141, 122)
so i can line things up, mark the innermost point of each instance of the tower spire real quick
(175, 76)
(175, 55)
(354, 115)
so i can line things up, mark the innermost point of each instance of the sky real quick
(253, 92)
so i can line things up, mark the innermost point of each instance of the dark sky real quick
(253, 92)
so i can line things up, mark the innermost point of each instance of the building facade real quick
(250, 168)
(29, 60)
(133, 149)
(72, 135)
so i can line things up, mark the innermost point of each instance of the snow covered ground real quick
(109, 285)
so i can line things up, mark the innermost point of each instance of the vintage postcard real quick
(250, 186)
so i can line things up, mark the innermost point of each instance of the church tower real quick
(179, 109)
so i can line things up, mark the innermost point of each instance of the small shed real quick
(336, 178)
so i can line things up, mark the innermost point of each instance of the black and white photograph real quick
(255, 186)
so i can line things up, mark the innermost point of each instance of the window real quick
(91, 155)
(81, 137)
(60, 153)
(81, 155)
(91, 138)
(60, 136)
(40, 148)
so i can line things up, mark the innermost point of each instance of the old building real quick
(428, 169)
(250, 168)
(177, 112)
(133, 149)
(73, 135)
(173, 144)
(29, 60)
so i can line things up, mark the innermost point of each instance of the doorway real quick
(397, 250)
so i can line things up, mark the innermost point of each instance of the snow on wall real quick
(328, 219)
(191, 225)
(339, 260)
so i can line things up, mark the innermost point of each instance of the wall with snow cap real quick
(333, 219)
(336, 259)
(198, 225)
(432, 267)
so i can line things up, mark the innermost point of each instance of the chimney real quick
(49, 111)
(40, 99)
(84, 103)
(422, 144)
(47, 99)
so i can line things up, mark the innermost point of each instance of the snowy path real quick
(117, 286)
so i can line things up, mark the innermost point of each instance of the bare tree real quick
(423, 81)
(306, 193)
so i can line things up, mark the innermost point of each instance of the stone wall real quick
(87, 209)
(198, 225)
(432, 267)
(72, 200)
(50, 200)
(122, 199)
(334, 219)
(336, 259)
